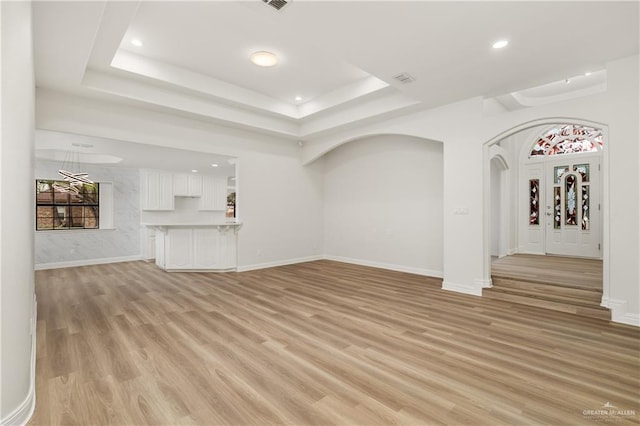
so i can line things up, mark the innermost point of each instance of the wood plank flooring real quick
(316, 343)
(572, 285)
(560, 270)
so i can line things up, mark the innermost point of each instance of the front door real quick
(572, 217)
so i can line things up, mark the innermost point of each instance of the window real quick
(568, 139)
(60, 205)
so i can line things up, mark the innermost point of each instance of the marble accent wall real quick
(85, 244)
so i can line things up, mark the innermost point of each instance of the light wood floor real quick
(567, 271)
(315, 343)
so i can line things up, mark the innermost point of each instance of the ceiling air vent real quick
(276, 4)
(405, 78)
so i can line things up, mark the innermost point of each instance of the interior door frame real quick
(604, 194)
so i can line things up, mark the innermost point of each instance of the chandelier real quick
(72, 180)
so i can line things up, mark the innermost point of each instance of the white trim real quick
(278, 263)
(619, 312)
(23, 412)
(389, 266)
(86, 262)
(483, 283)
(461, 288)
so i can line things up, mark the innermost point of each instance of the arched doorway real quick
(500, 206)
(525, 136)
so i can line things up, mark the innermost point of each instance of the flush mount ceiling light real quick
(500, 44)
(137, 42)
(214, 165)
(194, 171)
(298, 98)
(264, 59)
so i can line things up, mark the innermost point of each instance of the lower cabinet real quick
(147, 243)
(179, 248)
(204, 248)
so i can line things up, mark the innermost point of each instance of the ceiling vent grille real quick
(405, 78)
(276, 4)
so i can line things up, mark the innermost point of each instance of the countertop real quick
(190, 225)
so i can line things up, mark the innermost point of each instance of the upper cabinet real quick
(156, 190)
(185, 185)
(214, 193)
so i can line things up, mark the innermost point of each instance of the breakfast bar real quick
(195, 247)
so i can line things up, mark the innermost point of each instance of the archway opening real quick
(556, 217)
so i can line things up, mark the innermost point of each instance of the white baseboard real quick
(23, 412)
(619, 312)
(86, 262)
(461, 288)
(273, 264)
(389, 266)
(481, 283)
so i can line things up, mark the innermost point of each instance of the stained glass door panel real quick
(572, 218)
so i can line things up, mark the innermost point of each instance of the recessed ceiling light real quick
(137, 42)
(194, 171)
(214, 165)
(264, 59)
(588, 73)
(298, 98)
(500, 44)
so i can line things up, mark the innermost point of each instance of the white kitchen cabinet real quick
(147, 243)
(185, 185)
(179, 248)
(227, 252)
(206, 248)
(160, 249)
(196, 247)
(214, 194)
(156, 190)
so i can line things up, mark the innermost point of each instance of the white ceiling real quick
(340, 56)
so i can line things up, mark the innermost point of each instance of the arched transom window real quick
(567, 139)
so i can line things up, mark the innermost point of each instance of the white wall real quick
(624, 137)
(279, 200)
(383, 203)
(68, 247)
(16, 212)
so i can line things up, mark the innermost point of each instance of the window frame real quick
(69, 206)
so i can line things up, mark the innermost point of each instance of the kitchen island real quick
(195, 247)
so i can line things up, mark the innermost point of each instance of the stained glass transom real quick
(568, 139)
(534, 202)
